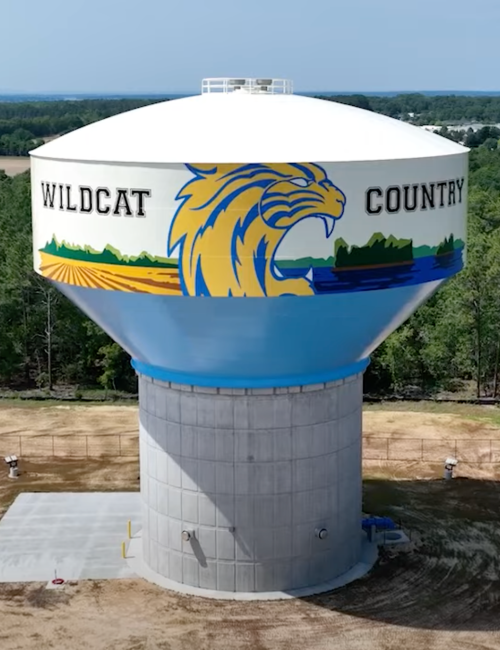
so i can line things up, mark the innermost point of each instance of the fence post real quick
(388, 449)
(422, 449)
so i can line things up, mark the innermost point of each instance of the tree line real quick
(423, 109)
(44, 339)
(27, 121)
(24, 125)
(454, 338)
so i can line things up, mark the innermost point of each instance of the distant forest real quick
(423, 109)
(451, 341)
(24, 125)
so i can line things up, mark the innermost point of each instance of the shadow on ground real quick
(449, 577)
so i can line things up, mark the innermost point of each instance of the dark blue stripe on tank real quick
(230, 382)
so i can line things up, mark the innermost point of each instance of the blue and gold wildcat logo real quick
(233, 219)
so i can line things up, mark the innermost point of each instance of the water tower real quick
(249, 248)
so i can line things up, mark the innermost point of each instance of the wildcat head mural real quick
(233, 218)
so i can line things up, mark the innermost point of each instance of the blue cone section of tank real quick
(249, 342)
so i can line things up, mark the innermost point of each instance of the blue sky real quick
(120, 46)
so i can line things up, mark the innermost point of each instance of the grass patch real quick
(66, 394)
(487, 414)
(384, 497)
(50, 403)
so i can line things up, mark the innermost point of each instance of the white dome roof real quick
(247, 128)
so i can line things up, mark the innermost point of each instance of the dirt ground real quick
(441, 591)
(14, 165)
(465, 423)
(36, 419)
(62, 431)
(68, 475)
(31, 419)
(472, 434)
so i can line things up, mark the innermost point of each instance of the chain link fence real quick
(374, 447)
(70, 446)
(430, 450)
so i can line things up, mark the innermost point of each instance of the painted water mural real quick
(382, 263)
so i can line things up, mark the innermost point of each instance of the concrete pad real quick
(369, 555)
(77, 535)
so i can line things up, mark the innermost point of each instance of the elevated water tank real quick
(249, 248)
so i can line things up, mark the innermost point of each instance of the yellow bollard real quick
(129, 529)
(124, 550)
